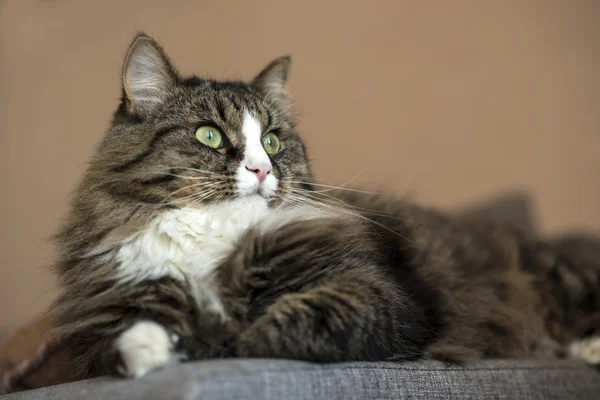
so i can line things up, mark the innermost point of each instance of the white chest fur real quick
(188, 244)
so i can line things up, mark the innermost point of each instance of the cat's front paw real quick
(144, 347)
(587, 350)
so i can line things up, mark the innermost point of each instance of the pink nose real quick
(261, 171)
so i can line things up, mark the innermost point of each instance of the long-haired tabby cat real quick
(198, 232)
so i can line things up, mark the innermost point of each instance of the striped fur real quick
(169, 254)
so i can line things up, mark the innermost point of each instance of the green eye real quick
(209, 136)
(271, 143)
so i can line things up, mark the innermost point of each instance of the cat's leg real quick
(353, 317)
(130, 329)
(309, 290)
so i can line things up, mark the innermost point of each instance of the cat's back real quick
(487, 300)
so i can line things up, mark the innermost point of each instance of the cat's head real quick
(190, 141)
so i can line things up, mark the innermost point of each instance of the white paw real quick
(144, 347)
(587, 350)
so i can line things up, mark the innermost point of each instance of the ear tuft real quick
(147, 75)
(272, 80)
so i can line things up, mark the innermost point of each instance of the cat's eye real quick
(210, 136)
(271, 143)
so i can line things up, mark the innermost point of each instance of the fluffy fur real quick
(144, 347)
(176, 251)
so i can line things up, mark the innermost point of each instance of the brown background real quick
(452, 102)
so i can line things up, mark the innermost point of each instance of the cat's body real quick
(196, 233)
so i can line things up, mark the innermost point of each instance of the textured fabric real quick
(292, 380)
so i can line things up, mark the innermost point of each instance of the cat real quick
(197, 232)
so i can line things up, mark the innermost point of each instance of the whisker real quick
(204, 196)
(206, 188)
(172, 194)
(349, 181)
(352, 206)
(202, 184)
(342, 210)
(331, 188)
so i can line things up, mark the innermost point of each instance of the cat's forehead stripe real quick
(252, 132)
(250, 127)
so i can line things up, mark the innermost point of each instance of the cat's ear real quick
(147, 75)
(272, 80)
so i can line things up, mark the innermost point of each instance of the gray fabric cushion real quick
(293, 380)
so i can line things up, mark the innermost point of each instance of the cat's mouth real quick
(255, 194)
(260, 191)
(248, 185)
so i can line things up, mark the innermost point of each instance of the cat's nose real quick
(261, 170)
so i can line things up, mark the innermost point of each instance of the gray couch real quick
(294, 380)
